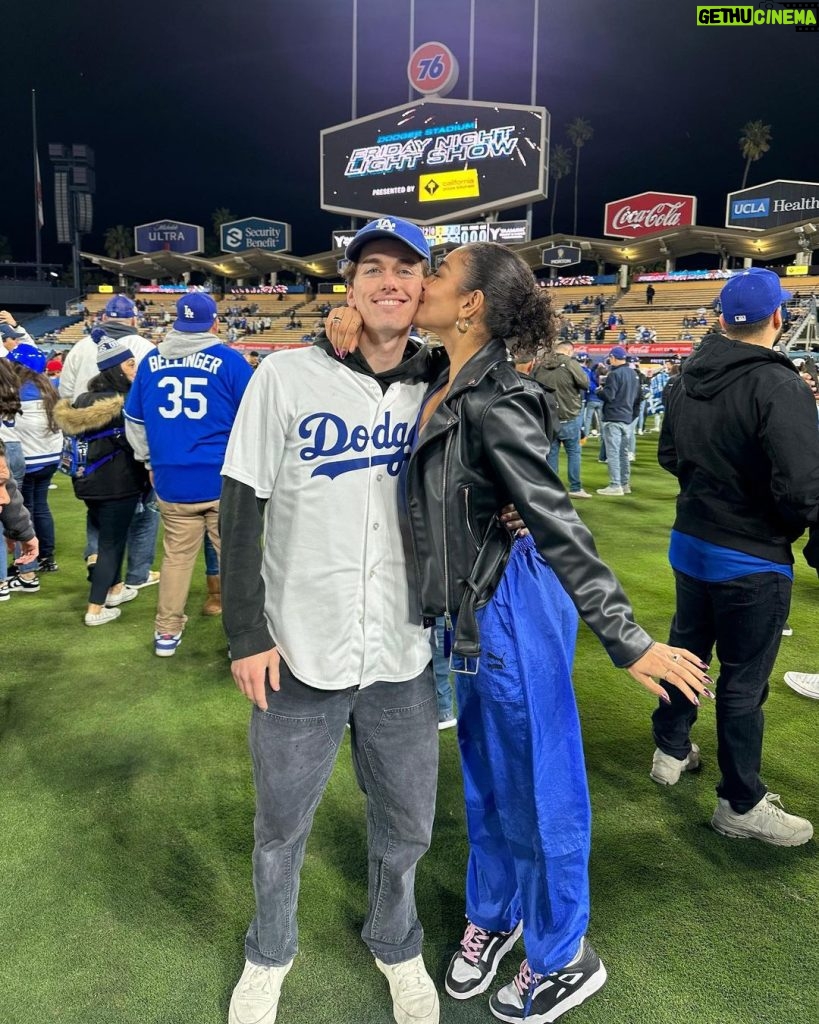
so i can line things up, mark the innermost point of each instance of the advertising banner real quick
(561, 256)
(649, 213)
(686, 275)
(771, 205)
(435, 159)
(255, 233)
(169, 236)
(168, 289)
(507, 232)
(659, 348)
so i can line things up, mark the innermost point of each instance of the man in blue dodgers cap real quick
(319, 620)
(178, 417)
(740, 436)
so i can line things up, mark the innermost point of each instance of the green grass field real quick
(126, 811)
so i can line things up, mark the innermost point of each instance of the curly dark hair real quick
(9, 391)
(48, 392)
(518, 311)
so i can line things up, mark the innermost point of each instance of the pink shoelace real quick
(525, 979)
(473, 942)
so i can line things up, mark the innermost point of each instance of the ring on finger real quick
(675, 657)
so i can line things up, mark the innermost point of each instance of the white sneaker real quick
(626, 488)
(414, 998)
(612, 489)
(804, 683)
(447, 723)
(255, 999)
(767, 821)
(579, 494)
(123, 597)
(151, 581)
(667, 770)
(101, 618)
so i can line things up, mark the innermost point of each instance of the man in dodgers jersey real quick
(321, 627)
(178, 418)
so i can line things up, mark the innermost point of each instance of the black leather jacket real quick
(484, 446)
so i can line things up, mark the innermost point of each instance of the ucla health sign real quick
(772, 205)
(435, 160)
(169, 236)
(255, 233)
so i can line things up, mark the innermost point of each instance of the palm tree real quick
(119, 242)
(754, 142)
(580, 131)
(559, 166)
(221, 215)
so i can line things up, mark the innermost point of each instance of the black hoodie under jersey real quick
(740, 434)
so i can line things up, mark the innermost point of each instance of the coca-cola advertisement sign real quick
(649, 213)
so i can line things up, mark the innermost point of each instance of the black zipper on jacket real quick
(447, 615)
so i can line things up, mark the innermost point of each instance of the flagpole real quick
(38, 189)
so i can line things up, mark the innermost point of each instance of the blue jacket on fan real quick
(180, 410)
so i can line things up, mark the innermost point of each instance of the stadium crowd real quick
(157, 421)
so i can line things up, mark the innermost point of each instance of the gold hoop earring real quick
(462, 329)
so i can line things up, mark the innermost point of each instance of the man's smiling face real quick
(387, 286)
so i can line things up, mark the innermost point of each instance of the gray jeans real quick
(294, 744)
(616, 436)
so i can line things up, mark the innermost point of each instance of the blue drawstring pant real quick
(527, 800)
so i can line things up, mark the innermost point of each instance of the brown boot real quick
(213, 604)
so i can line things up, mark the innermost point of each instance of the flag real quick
(38, 191)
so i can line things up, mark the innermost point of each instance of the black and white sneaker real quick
(473, 967)
(48, 565)
(542, 998)
(20, 585)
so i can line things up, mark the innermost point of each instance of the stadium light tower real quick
(74, 186)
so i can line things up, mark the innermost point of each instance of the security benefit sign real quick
(773, 204)
(169, 236)
(435, 160)
(561, 256)
(255, 233)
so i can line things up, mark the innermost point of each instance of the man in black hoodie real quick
(740, 436)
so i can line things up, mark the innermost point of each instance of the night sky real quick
(192, 106)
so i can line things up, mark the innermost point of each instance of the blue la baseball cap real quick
(618, 352)
(751, 296)
(389, 227)
(195, 312)
(120, 308)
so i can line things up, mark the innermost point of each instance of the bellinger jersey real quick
(324, 446)
(186, 404)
